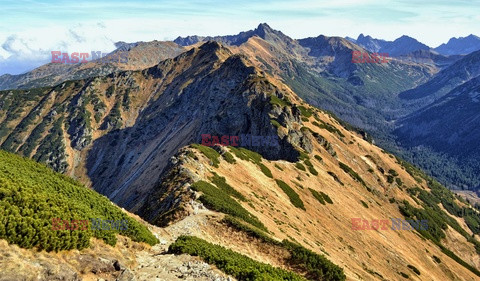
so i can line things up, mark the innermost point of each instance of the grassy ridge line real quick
(32, 194)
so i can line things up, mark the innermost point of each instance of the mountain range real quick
(133, 133)
(405, 44)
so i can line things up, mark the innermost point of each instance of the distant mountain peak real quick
(460, 45)
(264, 27)
(369, 43)
(263, 31)
(363, 37)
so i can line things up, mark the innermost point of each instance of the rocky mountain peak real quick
(263, 29)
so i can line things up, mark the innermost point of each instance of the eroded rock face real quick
(204, 91)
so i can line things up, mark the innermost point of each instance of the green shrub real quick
(110, 91)
(352, 173)
(317, 196)
(364, 204)
(246, 154)
(239, 266)
(335, 177)
(390, 178)
(393, 172)
(303, 156)
(219, 200)
(473, 222)
(300, 166)
(229, 157)
(274, 100)
(328, 127)
(209, 152)
(438, 221)
(399, 181)
(305, 112)
(278, 167)
(275, 123)
(414, 269)
(312, 171)
(318, 158)
(327, 198)
(265, 170)
(310, 166)
(221, 183)
(458, 260)
(254, 157)
(292, 195)
(316, 266)
(249, 229)
(436, 259)
(313, 265)
(31, 195)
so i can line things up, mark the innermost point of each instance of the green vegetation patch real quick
(317, 196)
(437, 223)
(221, 183)
(319, 158)
(328, 127)
(254, 157)
(364, 204)
(229, 157)
(209, 152)
(275, 123)
(239, 266)
(219, 200)
(246, 154)
(265, 170)
(249, 229)
(393, 172)
(352, 173)
(32, 195)
(316, 266)
(300, 166)
(306, 112)
(274, 100)
(292, 195)
(335, 177)
(414, 269)
(327, 198)
(312, 171)
(278, 167)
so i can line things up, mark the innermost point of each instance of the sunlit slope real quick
(314, 200)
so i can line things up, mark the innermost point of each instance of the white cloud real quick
(25, 50)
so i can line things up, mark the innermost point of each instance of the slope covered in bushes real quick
(32, 195)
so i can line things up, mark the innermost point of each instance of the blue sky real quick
(29, 30)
